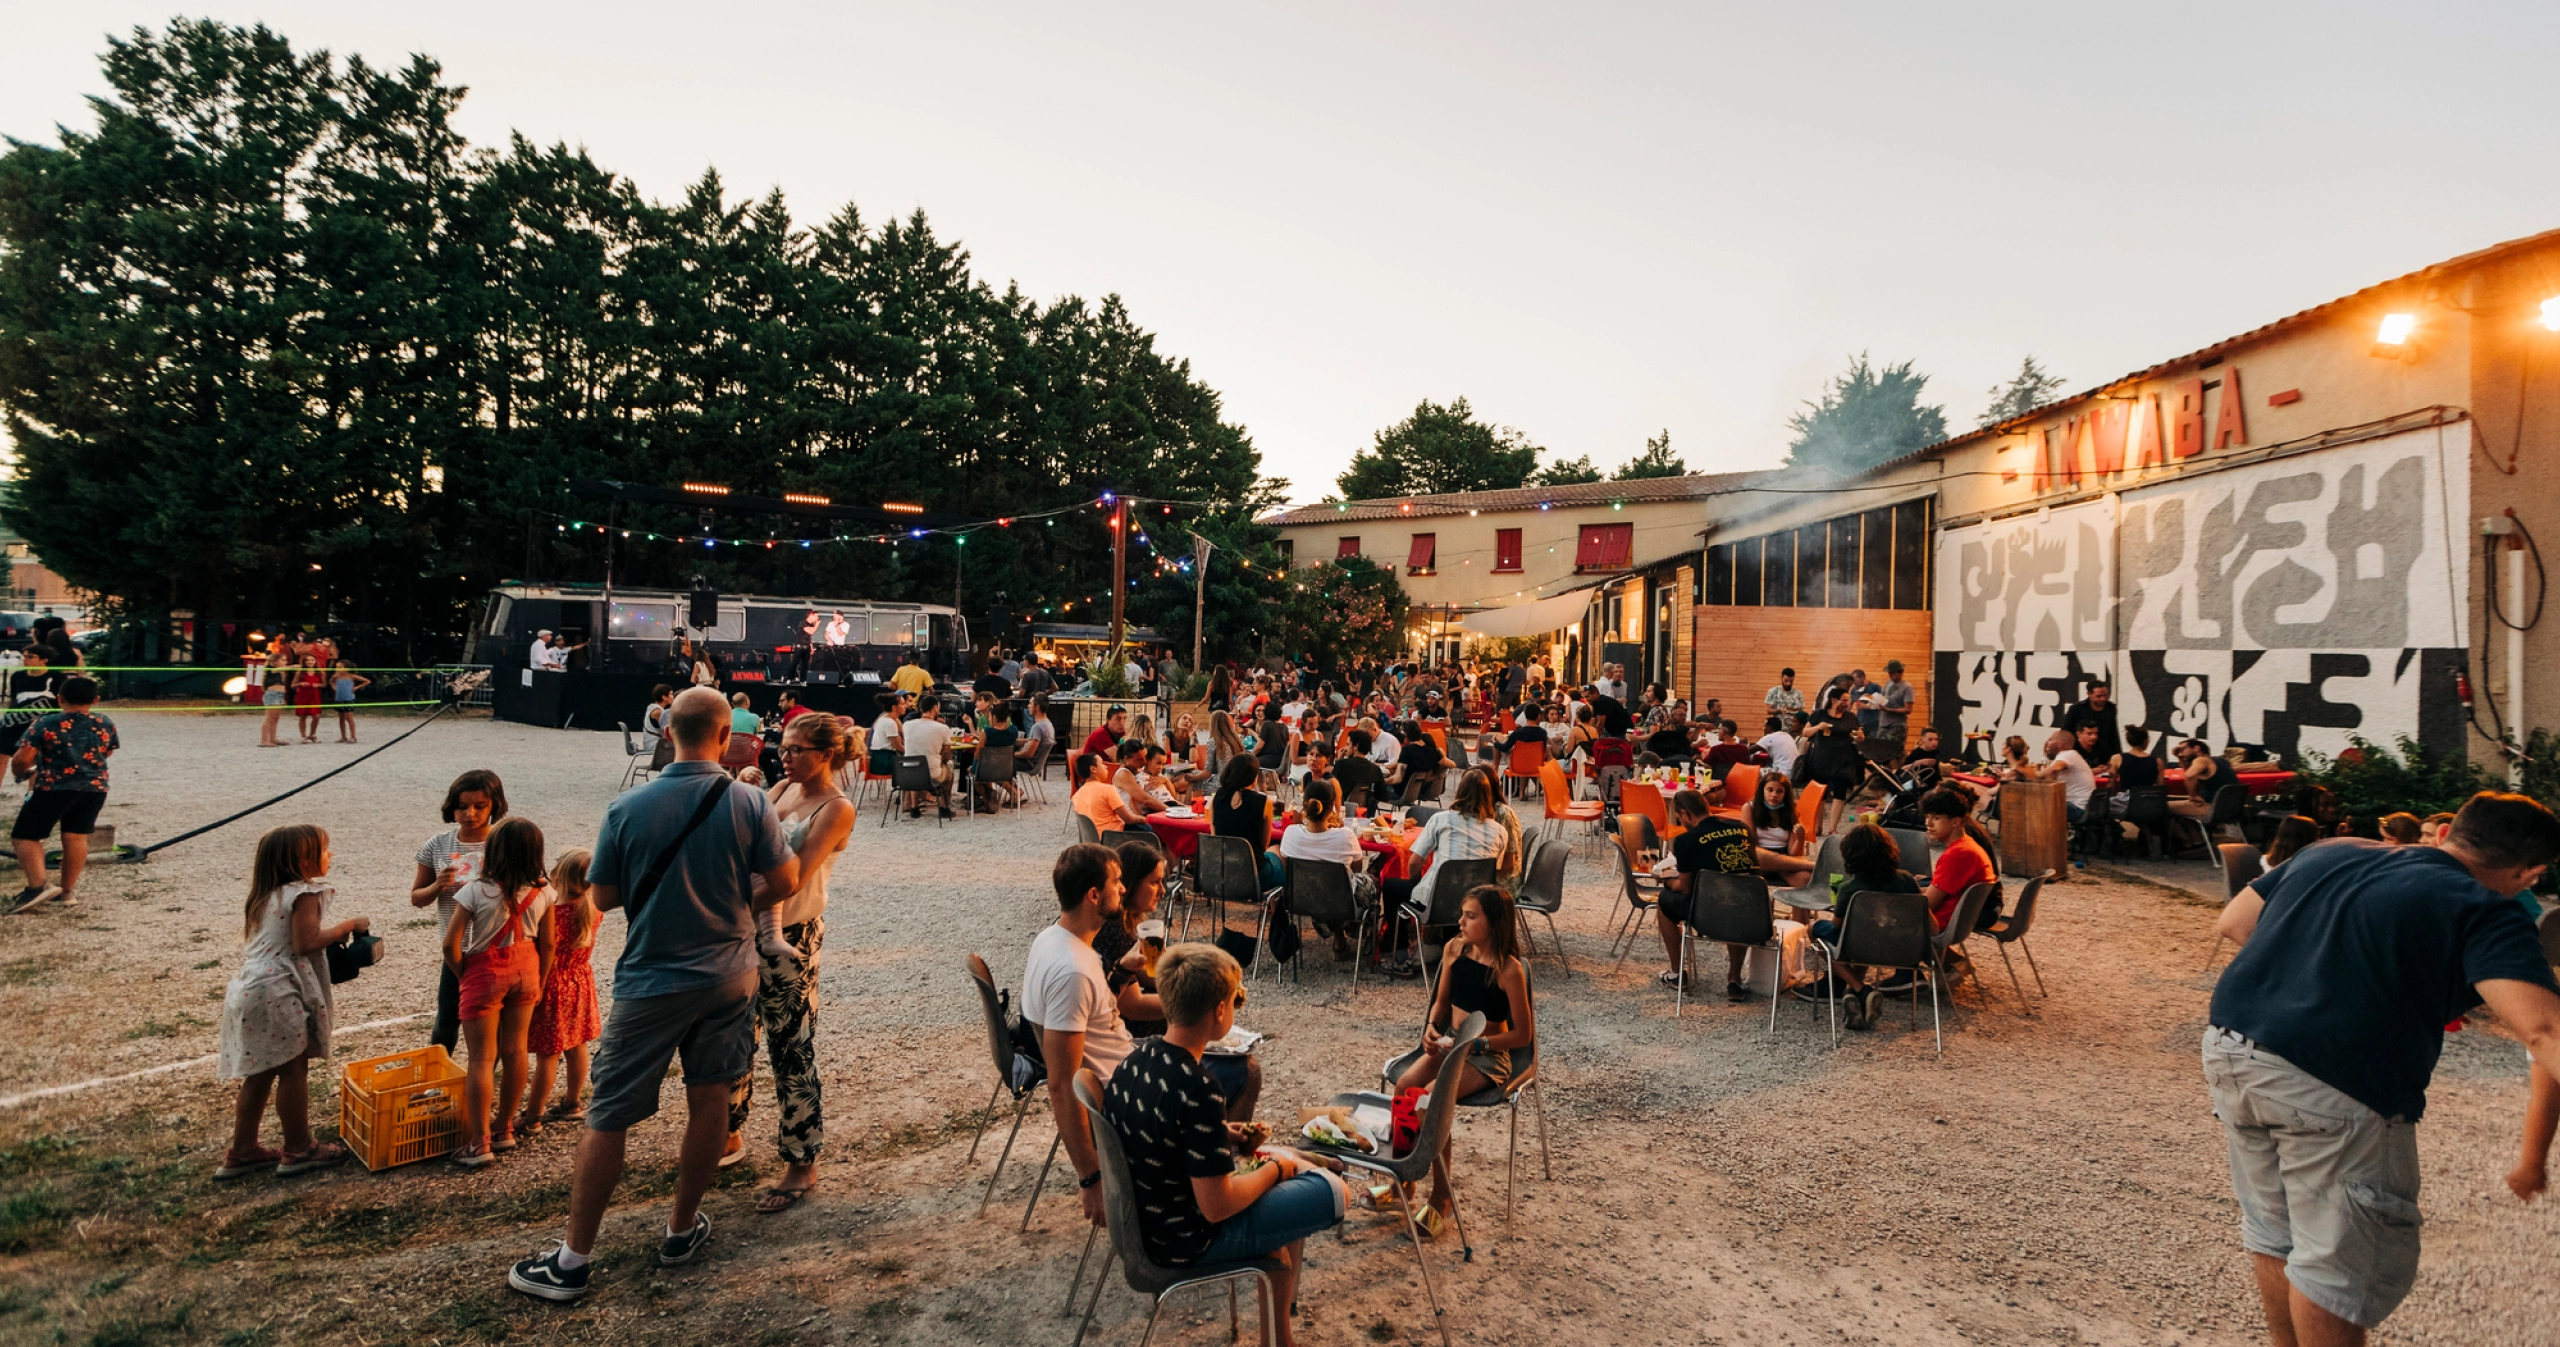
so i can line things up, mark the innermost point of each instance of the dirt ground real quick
(2056, 1177)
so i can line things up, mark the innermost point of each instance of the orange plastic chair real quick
(1528, 763)
(1809, 810)
(1644, 797)
(1508, 724)
(1741, 783)
(1561, 806)
(1439, 735)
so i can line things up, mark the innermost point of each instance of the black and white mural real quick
(2290, 604)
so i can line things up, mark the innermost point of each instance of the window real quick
(1813, 574)
(641, 622)
(1346, 548)
(1506, 551)
(1876, 559)
(1417, 559)
(1288, 553)
(1604, 547)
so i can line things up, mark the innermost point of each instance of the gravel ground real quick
(2056, 1177)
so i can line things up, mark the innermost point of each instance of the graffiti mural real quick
(2291, 604)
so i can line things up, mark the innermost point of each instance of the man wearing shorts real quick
(63, 758)
(2324, 1033)
(685, 985)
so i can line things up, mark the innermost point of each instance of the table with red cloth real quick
(2256, 783)
(1182, 842)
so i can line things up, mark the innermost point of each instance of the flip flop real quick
(779, 1199)
(235, 1165)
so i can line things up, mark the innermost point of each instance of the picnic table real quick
(1182, 842)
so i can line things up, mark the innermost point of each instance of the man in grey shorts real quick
(685, 985)
(2324, 1034)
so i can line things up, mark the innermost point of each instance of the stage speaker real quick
(704, 609)
(824, 677)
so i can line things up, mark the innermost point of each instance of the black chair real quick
(992, 768)
(1891, 930)
(1730, 910)
(911, 774)
(1542, 892)
(1017, 1071)
(1642, 893)
(1146, 1276)
(1175, 889)
(1449, 885)
(1911, 847)
(1323, 892)
(1524, 1080)
(2012, 930)
(2147, 809)
(2227, 804)
(1960, 926)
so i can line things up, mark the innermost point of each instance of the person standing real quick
(2098, 710)
(678, 855)
(472, 804)
(1785, 701)
(64, 759)
(1893, 715)
(2324, 1034)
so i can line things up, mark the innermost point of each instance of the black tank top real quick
(2141, 772)
(1474, 988)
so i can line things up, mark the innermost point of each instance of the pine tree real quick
(1657, 460)
(1865, 417)
(2031, 387)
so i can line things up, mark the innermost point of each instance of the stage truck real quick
(832, 654)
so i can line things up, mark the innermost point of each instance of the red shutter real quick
(1604, 547)
(1586, 549)
(1417, 560)
(1506, 550)
(1348, 547)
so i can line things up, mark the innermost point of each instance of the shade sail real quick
(1530, 619)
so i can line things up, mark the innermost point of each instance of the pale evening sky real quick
(1594, 222)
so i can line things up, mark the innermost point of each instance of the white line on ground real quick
(48, 1092)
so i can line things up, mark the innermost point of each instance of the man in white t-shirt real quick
(1065, 993)
(1384, 747)
(928, 738)
(2079, 781)
(1779, 745)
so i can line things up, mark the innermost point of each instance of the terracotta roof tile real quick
(1695, 486)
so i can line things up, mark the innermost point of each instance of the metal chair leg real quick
(2013, 979)
(1101, 1280)
(1558, 938)
(1777, 988)
(1934, 1026)
(983, 1120)
(1538, 1097)
(2024, 949)
(1231, 1308)
(1413, 1229)
(1078, 1280)
(1020, 1103)
(1511, 1166)
(1042, 1181)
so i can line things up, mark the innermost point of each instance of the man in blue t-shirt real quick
(2325, 1031)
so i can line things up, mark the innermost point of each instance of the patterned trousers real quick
(786, 1013)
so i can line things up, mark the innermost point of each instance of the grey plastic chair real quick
(1891, 930)
(1229, 873)
(1085, 831)
(1449, 886)
(1409, 1169)
(991, 767)
(1322, 891)
(1033, 771)
(1911, 846)
(1642, 893)
(1015, 1071)
(1422, 812)
(639, 761)
(1146, 1276)
(911, 774)
(2240, 865)
(1542, 892)
(1175, 887)
(1960, 925)
(1524, 1080)
(1729, 910)
(2228, 803)
(2012, 930)
(1814, 895)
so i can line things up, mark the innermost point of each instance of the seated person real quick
(1779, 843)
(1927, 750)
(1729, 748)
(1361, 778)
(1419, 768)
(1869, 863)
(1530, 731)
(1961, 863)
(742, 720)
(1128, 968)
(1700, 841)
(1100, 801)
(928, 738)
(1322, 834)
(2205, 774)
(1238, 809)
(997, 731)
(1194, 1206)
(1483, 975)
(1779, 747)
(1384, 746)
(1129, 776)
(2066, 761)
(1161, 780)
(1670, 742)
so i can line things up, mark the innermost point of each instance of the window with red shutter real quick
(1604, 547)
(1506, 551)
(1348, 547)
(1417, 559)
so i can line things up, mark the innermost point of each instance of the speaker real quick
(823, 677)
(704, 609)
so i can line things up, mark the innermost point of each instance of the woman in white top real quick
(1320, 835)
(1468, 830)
(888, 738)
(816, 820)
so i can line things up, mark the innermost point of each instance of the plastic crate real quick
(401, 1108)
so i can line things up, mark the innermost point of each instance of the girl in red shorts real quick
(307, 685)
(499, 944)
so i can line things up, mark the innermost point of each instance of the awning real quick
(1530, 619)
(1419, 558)
(1093, 631)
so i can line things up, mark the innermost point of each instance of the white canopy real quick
(1534, 618)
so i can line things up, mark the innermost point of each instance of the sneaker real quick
(1736, 992)
(542, 1275)
(676, 1249)
(947, 815)
(30, 898)
(321, 1156)
(734, 1151)
(1875, 1006)
(1810, 991)
(1403, 966)
(1669, 977)
(475, 1157)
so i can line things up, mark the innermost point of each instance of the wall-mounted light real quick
(2551, 314)
(900, 507)
(706, 488)
(2391, 340)
(804, 498)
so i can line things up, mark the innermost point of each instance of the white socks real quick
(570, 1259)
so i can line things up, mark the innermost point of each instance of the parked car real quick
(17, 630)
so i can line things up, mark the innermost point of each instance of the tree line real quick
(277, 343)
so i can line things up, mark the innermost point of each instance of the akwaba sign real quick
(2289, 604)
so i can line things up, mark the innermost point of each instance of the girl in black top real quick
(1869, 863)
(1238, 810)
(1831, 740)
(1481, 972)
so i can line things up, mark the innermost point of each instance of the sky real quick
(1594, 222)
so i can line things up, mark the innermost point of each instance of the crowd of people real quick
(724, 888)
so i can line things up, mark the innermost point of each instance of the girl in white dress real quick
(276, 1014)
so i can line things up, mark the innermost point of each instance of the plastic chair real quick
(912, 774)
(1019, 1072)
(1728, 910)
(2241, 863)
(1642, 893)
(1740, 784)
(741, 752)
(1809, 809)
(1644, 798)
(1960, 924)
(1891, 930)
(1524, 1080)
(637, 758)
(2012, 930)
(2227, 804)
(1561, 807)
(1174, 887)
(992, 767)
(1451, 881)
(1228, 873)
(1321, 891)
(1085, 831)
(1912, 847)
(1528, 763)
(1814, 895)
(1146, 1276)
(1035, 769)
(2148, 811)
(1542, 892)
(1406, 1170)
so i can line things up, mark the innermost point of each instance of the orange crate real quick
(401, 1108)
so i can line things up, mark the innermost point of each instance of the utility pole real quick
(1200, 550)
(1119, 573)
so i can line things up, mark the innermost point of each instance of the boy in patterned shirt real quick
(64, 757)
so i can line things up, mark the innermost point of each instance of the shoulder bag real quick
(658, 870)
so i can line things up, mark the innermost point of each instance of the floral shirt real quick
(71, 751)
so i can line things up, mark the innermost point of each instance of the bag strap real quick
(658, 870)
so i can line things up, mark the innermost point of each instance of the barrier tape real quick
(144, 853)
(124, 708)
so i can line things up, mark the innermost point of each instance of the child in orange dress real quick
(567, 1020)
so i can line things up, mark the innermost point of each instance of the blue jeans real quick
(1292, 1211)
(1275, 871)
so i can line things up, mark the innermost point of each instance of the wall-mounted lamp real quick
(2551, 314)
(2391, 340)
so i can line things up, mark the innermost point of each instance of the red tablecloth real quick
(1182, 842)
(2256, 783)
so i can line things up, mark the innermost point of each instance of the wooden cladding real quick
(1878, 558)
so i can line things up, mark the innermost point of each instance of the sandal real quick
(503, 1141)
(528, 1126)
(783, 1199)
(474, 1157)
(240, 1164)
(321, 1156)
(567, 1110)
